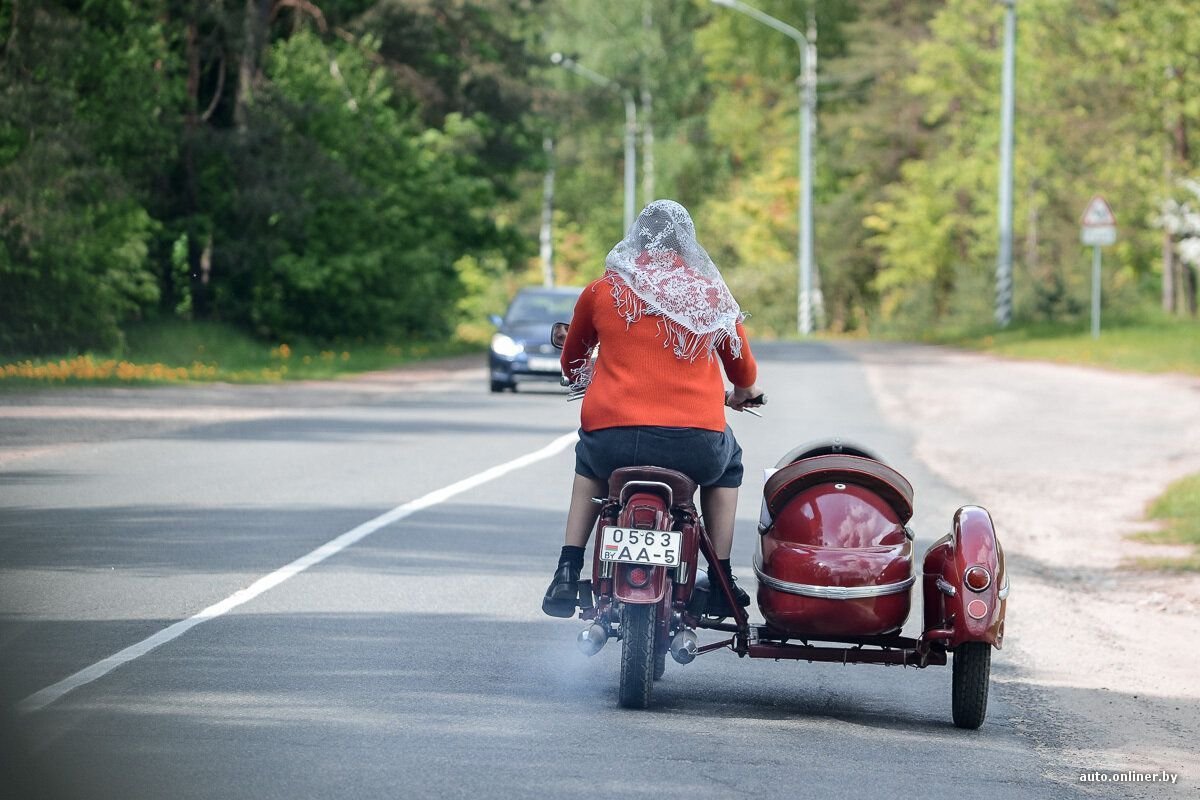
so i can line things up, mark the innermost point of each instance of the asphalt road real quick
(415, 662)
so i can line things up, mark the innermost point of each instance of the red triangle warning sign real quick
(1098, 214)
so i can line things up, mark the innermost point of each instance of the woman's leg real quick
(581, 516)
(719, 505)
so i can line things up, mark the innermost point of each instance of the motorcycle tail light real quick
(638, 577)
(977, 579)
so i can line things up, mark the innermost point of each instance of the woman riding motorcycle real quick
(655, 393)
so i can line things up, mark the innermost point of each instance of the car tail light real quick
(638, 577)
(977, 579)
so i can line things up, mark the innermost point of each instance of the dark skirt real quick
(710, 458)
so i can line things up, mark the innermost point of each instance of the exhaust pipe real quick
(592, 638)
(684, 646)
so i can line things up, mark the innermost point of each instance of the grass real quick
(181, 352)
(1178, 509)
(1150, 343)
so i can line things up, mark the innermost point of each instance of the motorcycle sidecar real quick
(835, 557)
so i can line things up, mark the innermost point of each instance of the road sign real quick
(1099, 225)
(1098, 237)
(1098, 214)
(1098, 229)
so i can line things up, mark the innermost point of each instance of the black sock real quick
(571, 555)
(726, 566)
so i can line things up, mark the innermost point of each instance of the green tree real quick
(384, 209)
(81, 99)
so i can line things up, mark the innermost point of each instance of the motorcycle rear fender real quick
(972, 542)
(626, 592)
(643, 509)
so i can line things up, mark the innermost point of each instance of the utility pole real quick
(1004, 265)
(630, 158)
(648, 195)
(546, 236)
(813, 305)
(630, 126)
(807, 82)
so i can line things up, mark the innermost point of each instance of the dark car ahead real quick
(521, 349)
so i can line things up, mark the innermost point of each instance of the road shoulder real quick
(1066, 459)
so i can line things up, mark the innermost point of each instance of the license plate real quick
(544, 364)
(638, 546)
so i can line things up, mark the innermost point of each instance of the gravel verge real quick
(1067, 459)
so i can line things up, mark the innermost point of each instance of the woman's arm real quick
(581, 337)
(743, 370)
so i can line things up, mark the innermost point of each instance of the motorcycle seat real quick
(683, 488)
(881, 479)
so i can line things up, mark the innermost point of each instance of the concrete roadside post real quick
(1098, 229)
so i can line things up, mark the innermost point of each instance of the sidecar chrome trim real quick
(1003, 593)
(946, 587)
(830, 592)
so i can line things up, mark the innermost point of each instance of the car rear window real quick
(541, 307)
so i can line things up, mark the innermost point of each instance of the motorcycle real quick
(835, 567)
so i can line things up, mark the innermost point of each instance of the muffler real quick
(592, 638)
(684, 646)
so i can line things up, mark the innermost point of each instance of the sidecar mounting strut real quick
(916, 656)
(761, 642)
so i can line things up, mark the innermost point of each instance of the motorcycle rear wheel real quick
(972, 674)
(637, 655)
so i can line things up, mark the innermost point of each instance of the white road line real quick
(40, 699)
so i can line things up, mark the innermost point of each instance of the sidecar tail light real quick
(977, 609)
(977, 578)
(638, 577)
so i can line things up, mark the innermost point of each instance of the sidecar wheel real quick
(660, 664)
(972, 675)
(637, 655)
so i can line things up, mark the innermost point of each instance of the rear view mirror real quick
(495, 320)
(558, 334)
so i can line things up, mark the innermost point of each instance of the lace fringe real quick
(685, 344)
(580, 372)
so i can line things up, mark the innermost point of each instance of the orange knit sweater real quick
(638, 381)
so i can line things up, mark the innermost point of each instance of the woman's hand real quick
(743, 397)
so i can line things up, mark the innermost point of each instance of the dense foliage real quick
(295, 168)
(373, 169)
(907, 149)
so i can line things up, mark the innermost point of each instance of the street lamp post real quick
(630, 126)
(808, 102)
(1004, 265)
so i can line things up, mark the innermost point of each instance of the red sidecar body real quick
(836, 556)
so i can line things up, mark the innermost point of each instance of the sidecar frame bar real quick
(909, 657)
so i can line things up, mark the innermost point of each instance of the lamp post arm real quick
(582, 71)
(768, 20)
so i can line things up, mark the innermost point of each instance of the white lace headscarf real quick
(671, 276)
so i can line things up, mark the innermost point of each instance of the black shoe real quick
(563, 593)
(718, 606)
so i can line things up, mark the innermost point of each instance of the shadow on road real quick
(299, 704)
